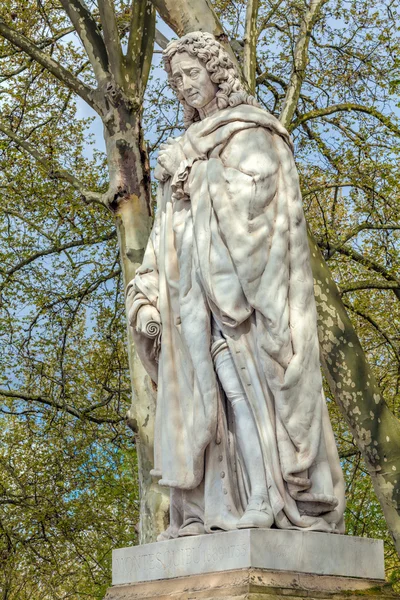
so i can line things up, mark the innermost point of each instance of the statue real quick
(223, 315)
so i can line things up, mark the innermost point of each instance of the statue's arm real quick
(142, 306)
(142, 290)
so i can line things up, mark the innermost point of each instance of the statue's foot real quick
(170, 533)
(195, 528)
(257, 514)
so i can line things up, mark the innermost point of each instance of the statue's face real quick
(193, 80)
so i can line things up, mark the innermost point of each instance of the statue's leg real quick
(258, 512)
(193, 511)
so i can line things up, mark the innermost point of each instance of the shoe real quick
(171, 533)
(257, 514)
(194, 528)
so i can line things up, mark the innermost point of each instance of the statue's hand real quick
(170, 156)
(148, 321)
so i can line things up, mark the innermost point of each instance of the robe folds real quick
(229, 244)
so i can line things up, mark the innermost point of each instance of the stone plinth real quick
(254, 584)
(267, 549)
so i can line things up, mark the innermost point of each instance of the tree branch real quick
(270, 76)
(62, 74)
(89, 289)
(111, 39)
(58, 248)
(363, 226)
(300, 60)
(161, 40)
(194, 15)
(250, 44)
(90, 35)
(367, 262)
(265, 20)
(140, 44)
(376, 326)
(84, 416)
(347, 107)
(62, 174)
(368, 285)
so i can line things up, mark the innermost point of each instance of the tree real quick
(306, 69)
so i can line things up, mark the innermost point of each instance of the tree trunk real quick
(129, 199)
(374, 427)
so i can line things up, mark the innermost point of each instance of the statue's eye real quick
(178, 81)
(194, 73)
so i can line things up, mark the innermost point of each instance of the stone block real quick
(267, 549)
(254, 584)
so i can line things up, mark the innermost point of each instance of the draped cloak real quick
(230, 244)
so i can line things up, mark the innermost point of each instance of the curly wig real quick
(204, 46)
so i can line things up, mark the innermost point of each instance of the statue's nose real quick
(187, 84)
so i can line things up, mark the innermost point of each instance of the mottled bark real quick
(250, 44)
(184, 16)
(128, 197)
(375, 429)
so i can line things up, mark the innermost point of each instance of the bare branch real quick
(270, 76)
(62, 74)
(374, 324)
(367, 262)
(349, 453)
(250, 44)
(111, 39)
(300, 61)
(57, 249)
(90, 35)
(265, 20)
(368, 285)
(347, 107)
(161, 40)
(370, 226)
(89, 289)
(87, 195)
(140, 44)
(44, 42)
(329, 186)
(198, 14)
(84, 416)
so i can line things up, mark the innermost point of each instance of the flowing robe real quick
(229, 243)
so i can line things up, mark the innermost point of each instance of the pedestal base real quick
(252, 563)
(254, 584)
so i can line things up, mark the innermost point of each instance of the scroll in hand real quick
(148, 323)
(152, 329)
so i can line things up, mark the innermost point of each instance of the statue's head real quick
(199, 70)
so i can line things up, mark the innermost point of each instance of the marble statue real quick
(224, 319)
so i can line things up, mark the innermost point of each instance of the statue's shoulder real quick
(251, 150)
(256, 115)
(250, 112)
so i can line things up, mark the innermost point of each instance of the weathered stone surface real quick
(254, 584)
(272, 549)
(223, 317)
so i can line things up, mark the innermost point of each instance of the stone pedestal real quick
(253, 563)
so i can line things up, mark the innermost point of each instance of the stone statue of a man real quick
(224, 317)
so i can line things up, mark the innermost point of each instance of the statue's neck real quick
(209, 109)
